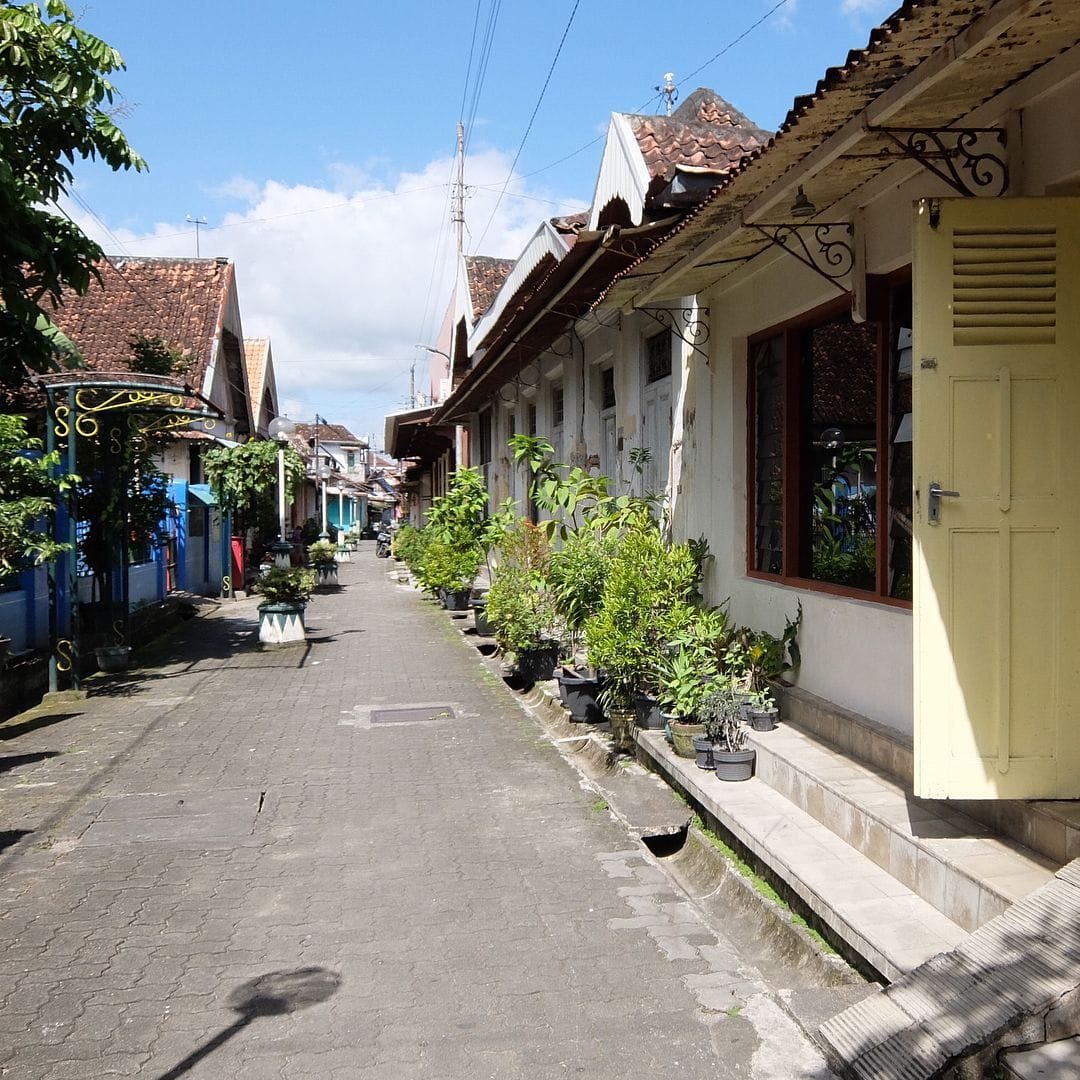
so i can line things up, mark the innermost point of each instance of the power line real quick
(532, 118)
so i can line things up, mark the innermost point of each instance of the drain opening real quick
(665, 845)
(412, 714)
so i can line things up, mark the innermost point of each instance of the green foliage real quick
(450, 566)
(323, 552)
(121, 495)
(245, 478)
(577, 572)
(685, 681)
(520, 605)
(28, 494)
(756, 657)
(286, 586)
(461, 515)
(719, 712)
(55, 101)
(646, 604)
(154, 356)
(408, 545)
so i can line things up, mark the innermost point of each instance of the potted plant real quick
(762, 712)
(281, 614)
(725, 730)
(112, 657)
(520, 605)
(323, 556)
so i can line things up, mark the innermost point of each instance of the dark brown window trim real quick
(879, 288)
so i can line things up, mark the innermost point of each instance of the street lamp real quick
(280, 428)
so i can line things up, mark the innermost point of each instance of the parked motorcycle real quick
(383, 539)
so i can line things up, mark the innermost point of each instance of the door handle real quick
(934, 495)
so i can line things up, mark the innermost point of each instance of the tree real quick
(245, 479)
(55, 101)
(29, 493)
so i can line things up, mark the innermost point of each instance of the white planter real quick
(281, 624)
(326, 575)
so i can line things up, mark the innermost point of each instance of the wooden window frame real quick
(795, 461)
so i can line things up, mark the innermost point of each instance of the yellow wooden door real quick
(997, 422)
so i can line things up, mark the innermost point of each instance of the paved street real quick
(248, 864)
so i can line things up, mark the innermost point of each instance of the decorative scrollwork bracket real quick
(971, 160)
(688, 324)
(826, 247)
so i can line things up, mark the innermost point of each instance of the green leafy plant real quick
(449, 565)
(520, 604)
(55, 105)
(408, 545)
(686, 680)
(646, 604)
(282, 586)
(577, 573)
(719, 712)
(29, 493)
(323, 553)
(245, 479)
(155, 356)
(759, 657)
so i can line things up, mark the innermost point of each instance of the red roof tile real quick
(485, 277)
(181, 301)
(327, 433)
(705, 132)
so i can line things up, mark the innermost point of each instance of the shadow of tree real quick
(10, 837)
(13, 761)
(13, 730)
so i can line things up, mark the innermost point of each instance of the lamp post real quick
(280, 428)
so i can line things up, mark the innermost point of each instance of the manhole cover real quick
(412, 714)
(198, 818)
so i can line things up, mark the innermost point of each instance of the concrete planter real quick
(282, 623)
(112, 657)
(326, 576)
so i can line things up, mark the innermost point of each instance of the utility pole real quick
(457, 197)
(196, 221)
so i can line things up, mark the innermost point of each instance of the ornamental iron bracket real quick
(688, 324)
(824, 246)
(971, 160)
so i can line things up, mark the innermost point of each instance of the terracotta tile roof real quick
(327, 433)
(181, 301)
(256, 350)
(705, 132)
(485, 276)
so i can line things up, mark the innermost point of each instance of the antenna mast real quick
(457, 198)
(669, 90)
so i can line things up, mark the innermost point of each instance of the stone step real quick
(876, 916)
(947, 858)
(1012, 982)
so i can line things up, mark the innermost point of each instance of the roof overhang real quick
(930, 65)
(568, 292)
(412, 435)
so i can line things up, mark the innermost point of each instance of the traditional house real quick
(850, 368)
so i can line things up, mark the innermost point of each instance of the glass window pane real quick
(768, 368)
(839, 451)
(900, 445)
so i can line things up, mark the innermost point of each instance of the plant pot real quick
(537, 663)
(762, 719)
(112, 657)
(456, 599)
(326, 575)
(622, 728)
(647, 712)
(282, 623)
(682, 736)
(5, 648)
(704, 751)
(734, 764)
(578, 693)
(483, 627)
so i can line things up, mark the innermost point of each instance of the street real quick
(359, 858)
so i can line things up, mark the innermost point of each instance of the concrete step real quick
(877, 917)
(1013, 982)
(947, 858)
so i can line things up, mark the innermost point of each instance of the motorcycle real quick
(383, 539)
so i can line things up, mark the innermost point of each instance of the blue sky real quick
(317, 143)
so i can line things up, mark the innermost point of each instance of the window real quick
(658, 357)
(829, 405)
(557, 405)
(350, 460)
(607, 388)
(483, 437)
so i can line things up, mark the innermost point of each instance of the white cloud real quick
(346, 279)
(867, 7)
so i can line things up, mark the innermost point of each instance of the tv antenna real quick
(196, 221)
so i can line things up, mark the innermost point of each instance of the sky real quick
(317, 142)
